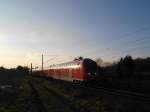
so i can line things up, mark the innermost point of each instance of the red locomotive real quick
(77, 70)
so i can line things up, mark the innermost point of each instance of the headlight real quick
(89, 73)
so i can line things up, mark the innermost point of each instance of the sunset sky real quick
(69, 28)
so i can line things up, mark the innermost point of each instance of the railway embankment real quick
(98, 99)
(49, 95)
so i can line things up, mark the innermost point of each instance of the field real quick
(30, 94)
(34, 94)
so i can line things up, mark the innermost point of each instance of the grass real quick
(23, 102)
(81, 99)
(56, 98)
(52, 102)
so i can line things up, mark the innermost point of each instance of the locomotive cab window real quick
(91, 67)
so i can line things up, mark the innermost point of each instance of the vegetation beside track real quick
(24, 101)
(82, 100)
(40, 95)
(54, 96)
(52, 101)
(92, 100)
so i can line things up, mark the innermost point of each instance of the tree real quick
(129, 66)
(23, 70)
(120, 67)
(126, 67)
(2, 68)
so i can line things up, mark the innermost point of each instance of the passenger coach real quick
(78, 70)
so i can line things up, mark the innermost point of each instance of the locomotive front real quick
(90, 70)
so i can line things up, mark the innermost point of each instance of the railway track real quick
(110, 91)
(47, 99)
(141, 97)
(122, 93)
(37, 99)
(126, 99)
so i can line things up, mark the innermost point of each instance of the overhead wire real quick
(135, 43)
(127, 35)
(137, 40)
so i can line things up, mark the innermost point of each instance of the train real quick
(79, 70)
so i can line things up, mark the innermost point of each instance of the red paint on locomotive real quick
(78, 70)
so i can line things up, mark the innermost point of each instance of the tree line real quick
(127, 67)
(20, 70)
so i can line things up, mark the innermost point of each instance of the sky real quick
(108, 29)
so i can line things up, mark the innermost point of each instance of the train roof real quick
(71, 63)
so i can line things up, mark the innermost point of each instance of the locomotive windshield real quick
(91, 67)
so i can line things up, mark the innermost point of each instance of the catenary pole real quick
(42, 63)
